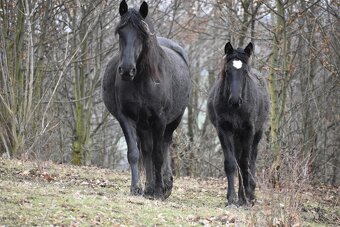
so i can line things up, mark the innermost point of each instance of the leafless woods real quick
(53, 53)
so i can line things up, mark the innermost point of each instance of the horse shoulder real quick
(210, 106)
(108, 85)
(110, 73)
(216, 107)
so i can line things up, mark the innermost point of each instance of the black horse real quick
(238, 108)
(146, 88)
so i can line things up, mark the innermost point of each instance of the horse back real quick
(176, 77)
(173, 46)
(262, 97)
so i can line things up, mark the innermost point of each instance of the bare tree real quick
(53, 54)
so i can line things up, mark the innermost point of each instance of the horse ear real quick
(228, 48)
(123, 8)
(144, 9)
(249, 49)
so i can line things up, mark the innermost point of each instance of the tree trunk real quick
(278, 85)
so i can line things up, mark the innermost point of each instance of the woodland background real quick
(53, 54)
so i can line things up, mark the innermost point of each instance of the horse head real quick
(133, 31)
(235, 71)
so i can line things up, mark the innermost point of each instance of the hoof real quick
(251, 195)
(159, 194)
(149, 193)
(136, 191)
(242, 202)
(231, 201)
(167, 193)
(252, 199)
(168, 188)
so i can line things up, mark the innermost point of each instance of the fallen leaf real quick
(25, 173)
(47, 177)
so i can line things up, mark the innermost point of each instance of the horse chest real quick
(231, 119)
(139, 106)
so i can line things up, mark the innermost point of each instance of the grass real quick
(42, 194)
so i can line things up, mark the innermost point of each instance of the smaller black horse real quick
(238, 108)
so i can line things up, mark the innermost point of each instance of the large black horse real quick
(238, 108)
(146, 87)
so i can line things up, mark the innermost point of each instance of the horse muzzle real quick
(127, 74)
(235, 102)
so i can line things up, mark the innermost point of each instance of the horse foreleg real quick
(129, 129)
(146, 147)
(230, 164)
(244, 164)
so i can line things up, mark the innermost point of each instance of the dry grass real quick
(41, 194)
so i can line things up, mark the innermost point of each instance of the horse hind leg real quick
(166, 170)
(162, 135)
(253, 156)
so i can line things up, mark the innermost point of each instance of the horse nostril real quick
(132, 71)
(229, 101)
(240, 101)
(235, 102)
(120, 70)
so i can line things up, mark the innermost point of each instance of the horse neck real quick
(249, 92)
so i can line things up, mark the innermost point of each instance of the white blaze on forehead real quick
(237, 64)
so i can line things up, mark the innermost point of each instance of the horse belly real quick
(181, 89)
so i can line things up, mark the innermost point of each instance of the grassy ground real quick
(41, 194)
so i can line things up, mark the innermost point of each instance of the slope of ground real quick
(41, 194)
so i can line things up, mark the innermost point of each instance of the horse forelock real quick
(232, 57)
(238, 54)
(143, 26)
(228, 61)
